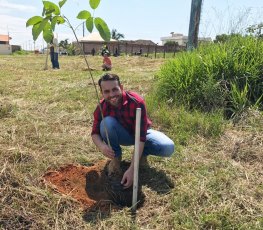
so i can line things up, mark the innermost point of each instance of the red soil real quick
(84, 184)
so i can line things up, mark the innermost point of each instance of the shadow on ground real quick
(154, 179)
(100, 194)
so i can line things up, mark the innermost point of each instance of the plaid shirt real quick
(125, 114)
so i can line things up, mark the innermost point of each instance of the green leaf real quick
(61, 3)
(103, 29)
(56, 20)
(53, 23)
(47, 35)
(38, 28)
(89, 24)
(94, 3)
(51, 7)
(60, 20)
(35, 32)
(47, 26)
(33, 21)
(84, 14)
(47, 32)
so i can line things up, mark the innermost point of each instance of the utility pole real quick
(196, 7)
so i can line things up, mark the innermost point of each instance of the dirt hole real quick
(91, 186)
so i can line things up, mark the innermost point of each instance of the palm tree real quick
(115, 35)
(64, 43)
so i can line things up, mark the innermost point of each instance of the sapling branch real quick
(51, 16)
(91, 76)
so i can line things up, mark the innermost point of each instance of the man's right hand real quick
(107, 151)
(102, 146)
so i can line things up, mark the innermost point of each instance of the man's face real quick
(112, 92)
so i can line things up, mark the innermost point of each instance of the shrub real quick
(21, 52)
(216, 76)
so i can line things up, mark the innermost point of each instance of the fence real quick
(126, 48)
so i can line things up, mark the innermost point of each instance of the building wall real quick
(181, 39)
(5, 49)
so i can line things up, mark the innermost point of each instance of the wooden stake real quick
(136, 159)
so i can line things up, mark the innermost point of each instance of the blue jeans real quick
(54, 60)
(157, 143)
(56, 63)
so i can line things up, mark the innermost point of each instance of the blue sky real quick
(136, 19)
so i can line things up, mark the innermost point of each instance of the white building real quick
(181, 39)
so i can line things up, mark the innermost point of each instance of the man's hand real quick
(107, 151)
(127, 178)
(102, 146)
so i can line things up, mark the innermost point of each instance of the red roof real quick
(4, 38)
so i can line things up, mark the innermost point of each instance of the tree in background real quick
(67, 47)
(171, 46)
(171, 43)
(222, 38)
(116, 35)
(256, 30)
(64, 44)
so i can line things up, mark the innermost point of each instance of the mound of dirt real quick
(91, 186)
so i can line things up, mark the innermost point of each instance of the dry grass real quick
(45, 120)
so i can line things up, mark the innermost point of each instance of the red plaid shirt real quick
(125, 114)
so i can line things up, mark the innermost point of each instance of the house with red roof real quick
(5, 47)
(4, 39)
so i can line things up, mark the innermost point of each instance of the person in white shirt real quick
(54, 50)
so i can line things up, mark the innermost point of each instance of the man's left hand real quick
(127, 178)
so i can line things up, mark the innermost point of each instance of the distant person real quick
(106, 62)
(104, 50)
(93, 51)
(116, 54)
(139, 53)
(52, 54)
(56, 51)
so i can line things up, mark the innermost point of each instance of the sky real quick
(136, 19)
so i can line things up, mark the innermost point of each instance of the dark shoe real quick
(114, 167)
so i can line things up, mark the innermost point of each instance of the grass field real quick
(45, 122)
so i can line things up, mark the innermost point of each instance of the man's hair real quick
(109, 77)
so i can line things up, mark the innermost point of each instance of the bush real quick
(216, 76)
(21, 52)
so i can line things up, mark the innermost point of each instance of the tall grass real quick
(210, 77)
(185, 125)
